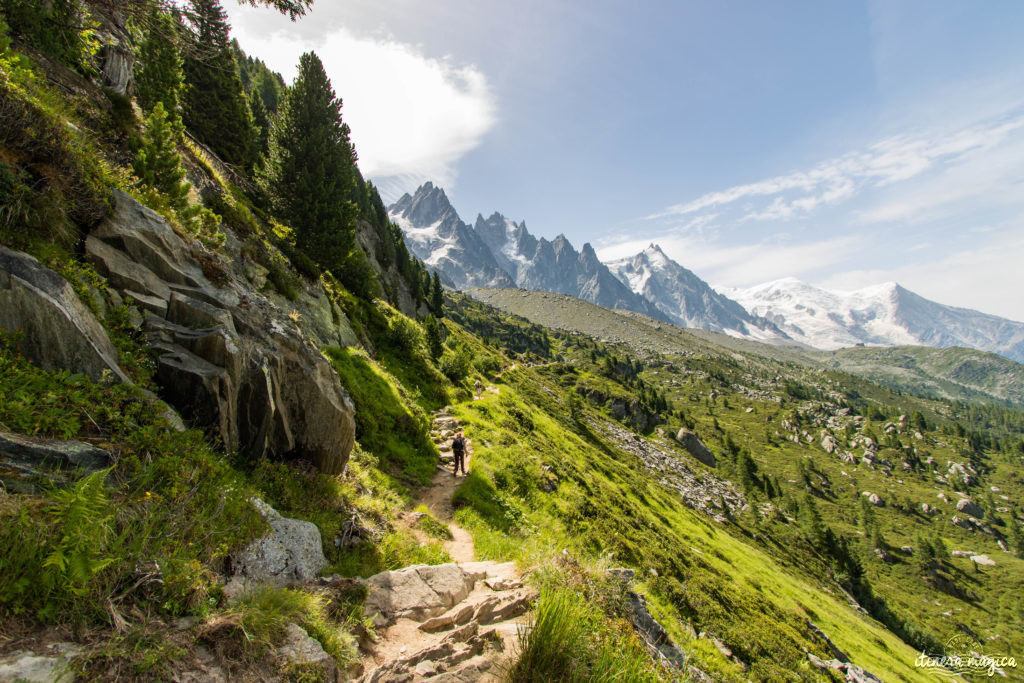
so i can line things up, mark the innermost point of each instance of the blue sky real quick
(844, 143)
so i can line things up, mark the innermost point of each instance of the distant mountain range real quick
(881, 315)
(497, 252)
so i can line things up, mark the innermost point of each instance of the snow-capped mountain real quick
(885, 315)
(686, 299)
(498, 252)
(435, 234)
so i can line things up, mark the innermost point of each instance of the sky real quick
(843, 143)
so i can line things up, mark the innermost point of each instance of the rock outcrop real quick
(292, 551)
(58, 331)
(417, 592)
(27, 463)
(449, 622)
(53, 666)
(969, 507)
(229, 360)
(701, 491)
(692, 443)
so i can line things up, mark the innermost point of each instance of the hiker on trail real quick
(459, 451)
(479, 388)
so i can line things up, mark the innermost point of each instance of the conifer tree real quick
(159, 76)
(308, 172)
(215, 108)
(260, 126)
(436, 296)
(432, 332)
(157, 163)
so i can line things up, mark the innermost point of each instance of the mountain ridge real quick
(886, 314)
(498, 252)
(687, 299)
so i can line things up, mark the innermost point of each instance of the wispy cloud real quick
(892, 160)
(413, 117)
(941, 210)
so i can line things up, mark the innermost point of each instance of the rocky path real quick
(451, 622)
(438, 496)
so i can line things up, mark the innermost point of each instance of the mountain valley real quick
(232, 384)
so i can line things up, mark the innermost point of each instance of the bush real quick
(405, 336)
(259, 622)
(455, 362)
(59, 183)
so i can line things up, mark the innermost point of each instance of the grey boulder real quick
(692, 443)
(25, 463)
(292, 551)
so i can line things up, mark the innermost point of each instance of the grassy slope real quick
(607, 504)
(950, 373)
(691, 378)
(750, 583)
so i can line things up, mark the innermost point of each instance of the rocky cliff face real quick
(229, 359)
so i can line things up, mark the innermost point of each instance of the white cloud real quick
(412, 116)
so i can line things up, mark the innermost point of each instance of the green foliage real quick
(432, 526)
(159, 76)
(215, 108)
(292, 8)
(53, 181)
(157, 163)
(161, 180)
(569, 640)
(62, 29)
(436, 296)
(308, 173)
(388, 423)
(259, 622)
(68, 553)
(71, 545)
(455, 363)
(432, 332)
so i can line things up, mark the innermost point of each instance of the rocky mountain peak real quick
(427, 206)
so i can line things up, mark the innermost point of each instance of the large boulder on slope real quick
(58, 331)
(27, 464)
(969, 507)
(229, 359)
(692, 443)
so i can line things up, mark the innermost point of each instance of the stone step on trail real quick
(463, 642)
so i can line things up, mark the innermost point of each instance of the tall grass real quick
(259, 622)
(569, 640)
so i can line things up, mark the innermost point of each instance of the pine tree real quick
(159, 76)
(308, 171)
(261, 128)
(157, 163)
(437, 296)
(433, 335)
(215, 108)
